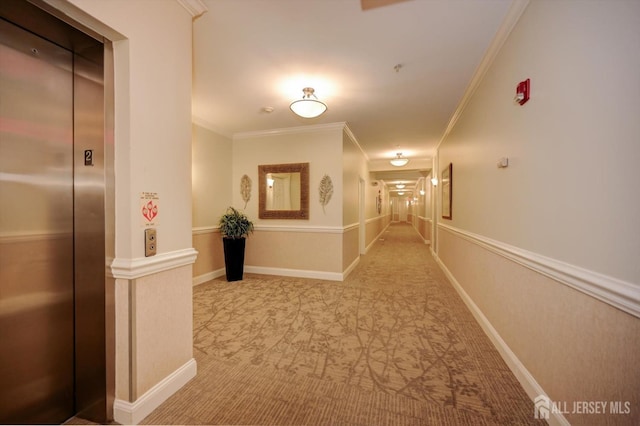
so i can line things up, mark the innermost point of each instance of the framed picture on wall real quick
(447, 180)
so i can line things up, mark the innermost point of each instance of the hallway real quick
(393, 344)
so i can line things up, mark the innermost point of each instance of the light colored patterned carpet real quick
(393, 344)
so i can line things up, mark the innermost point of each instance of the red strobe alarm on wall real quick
(522, 92)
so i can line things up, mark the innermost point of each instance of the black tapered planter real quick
(234, 257)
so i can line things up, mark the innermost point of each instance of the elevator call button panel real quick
(150, 242)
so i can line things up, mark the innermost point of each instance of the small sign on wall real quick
(88, 157)
(149, 208)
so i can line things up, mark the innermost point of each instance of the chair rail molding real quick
(618, 293)
(130, 269)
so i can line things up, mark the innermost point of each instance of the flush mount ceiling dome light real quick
(399, 161)
(309, 106)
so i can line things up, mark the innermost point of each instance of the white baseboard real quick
(208, 276)
(132, 413)
(350, 268)
(376, 239)
(300, 273)
(528, 382)
(285, 272)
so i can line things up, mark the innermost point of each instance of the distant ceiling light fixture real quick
(399, 161)
(400, 185)
(422, 192)
(309, 106)
(268, 109)
(400, 193)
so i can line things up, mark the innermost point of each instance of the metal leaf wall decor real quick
(325, 190)
(245, 189)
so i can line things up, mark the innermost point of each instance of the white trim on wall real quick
(376, 238)
(350, 268)
(310, 229)
(354, 140)
(299, 273)
(351, 227)
(526, 379)
(376, 218)
(201, 122)
(287, 228)
(194, 7)
(201, 279)
(130, 269)
(205, 230)
(302, 273)
(132, 413)
(291, 130)
(513, 15)
(620, 294)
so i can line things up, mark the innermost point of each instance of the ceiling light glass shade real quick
(400, 185)
(400, 193)
(399, 161)
(309, 106)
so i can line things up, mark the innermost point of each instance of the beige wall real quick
(573, 148)
(356, 172)
(162, 334)
(301, 251)
(212, 194)
(562, 209)
(326, 245)
(576, 347)
(211, 176)
(151, 117)
(423, 208)
(320, 146)
(210, 262)
(304, 247)
(350, 248)
(375, 227)
(152, 144)
(354, 168)
(423, 226)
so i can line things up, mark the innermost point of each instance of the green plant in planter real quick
(235, 227)
(235, 224)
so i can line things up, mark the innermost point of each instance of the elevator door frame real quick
(93, 201)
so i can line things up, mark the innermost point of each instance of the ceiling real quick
(395, 74)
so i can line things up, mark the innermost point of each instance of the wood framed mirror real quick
(283, 191)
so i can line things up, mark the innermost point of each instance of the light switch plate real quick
(150, 242)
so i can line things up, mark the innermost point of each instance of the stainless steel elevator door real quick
(36, 229)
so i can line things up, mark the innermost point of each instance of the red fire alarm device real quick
(522, 92)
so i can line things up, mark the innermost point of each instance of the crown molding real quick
(201, 122)
(514, 13)
(355, 141)
(194, 7)
(290, 130)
